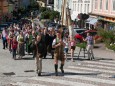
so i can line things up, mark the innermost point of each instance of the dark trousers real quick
(45, 51)
(14, 53)
(5, 44)
(34, 53)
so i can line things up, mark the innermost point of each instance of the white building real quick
(57, 5)
(80, 6)
(76, 6)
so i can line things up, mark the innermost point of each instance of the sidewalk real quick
(100, 52)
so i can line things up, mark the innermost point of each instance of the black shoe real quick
(56, 73)
(62, 70)
(39, 74)
(44, 58)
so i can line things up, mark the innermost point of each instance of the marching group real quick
(40, 41)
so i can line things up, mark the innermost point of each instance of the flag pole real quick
(71, 32)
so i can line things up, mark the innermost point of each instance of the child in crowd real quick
(73, 45)
(14, 47)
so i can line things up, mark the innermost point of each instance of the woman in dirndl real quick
(21, 50)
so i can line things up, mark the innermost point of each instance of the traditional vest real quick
(21, 38)
(59, 49)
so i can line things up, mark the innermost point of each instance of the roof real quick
(104, 15)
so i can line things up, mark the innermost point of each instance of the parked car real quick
(78, 31)
(82, 35)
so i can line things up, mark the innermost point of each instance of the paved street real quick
(100, 72)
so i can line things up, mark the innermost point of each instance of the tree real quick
(43, 9)
(50, 14)
(82, 18)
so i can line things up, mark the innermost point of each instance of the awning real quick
(89, 19)
(92, 21)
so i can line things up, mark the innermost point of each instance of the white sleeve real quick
(17, 37)
(54, 42)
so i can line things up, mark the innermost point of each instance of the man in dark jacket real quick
(39, 53)
(45, 38)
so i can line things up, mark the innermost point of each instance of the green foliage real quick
(45, 15)
(33, 6)
(112, 47)
(54, 14)
(43, 9)
(50, 14)
(21, 10)
(107, 35)
(82, 45)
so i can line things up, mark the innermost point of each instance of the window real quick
(81, 8)
(75, 6)
(95, 4)
(101, 4)
(85, 8)
(88, 8)
(50, 1)
(113, 5)
(78, 7)
(106, 4)
(80, 1)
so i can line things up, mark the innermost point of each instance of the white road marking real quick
(92, 69)
(63, 82)
(98, 80)
(26, 84)
(99, 63)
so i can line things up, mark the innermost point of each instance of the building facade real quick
(57, 5)
(104, 10)
(80, 6)
(76, 6)
(44, 3)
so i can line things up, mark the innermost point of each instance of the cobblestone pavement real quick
(82, 72)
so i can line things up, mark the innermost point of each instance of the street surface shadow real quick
(97, 59)
(9, 74)
(81, 58)
(29, 71)
(96, 46)
(27, 58)
(69, 73)
(51, 74)
(78, 59)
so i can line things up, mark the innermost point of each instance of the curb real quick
(110, 50)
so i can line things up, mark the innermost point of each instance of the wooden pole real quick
(64, 11)
(71, 32)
